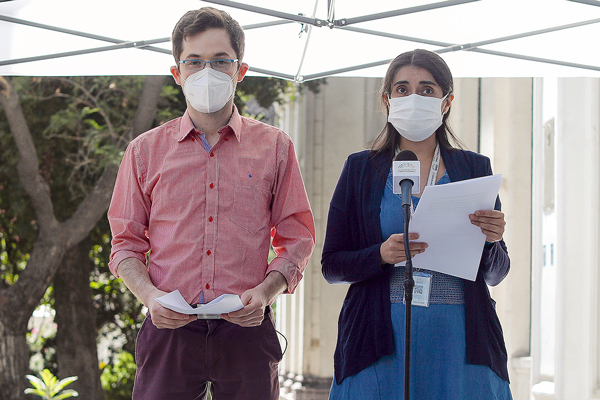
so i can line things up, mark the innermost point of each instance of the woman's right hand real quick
(392, 250)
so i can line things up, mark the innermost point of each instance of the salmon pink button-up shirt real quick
(207, 217)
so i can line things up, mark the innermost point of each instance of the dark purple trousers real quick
(177, 364)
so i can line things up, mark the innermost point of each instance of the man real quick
(202, 197)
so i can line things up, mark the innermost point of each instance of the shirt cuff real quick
(289, 270)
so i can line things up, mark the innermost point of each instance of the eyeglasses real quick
(221, 64)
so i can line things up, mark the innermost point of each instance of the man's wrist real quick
(275, 284)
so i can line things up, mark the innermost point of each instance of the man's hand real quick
(255, 301)
(162, 317)
(135, 276)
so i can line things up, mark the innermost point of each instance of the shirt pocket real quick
(252, 204)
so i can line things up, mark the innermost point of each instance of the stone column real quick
(578, 239)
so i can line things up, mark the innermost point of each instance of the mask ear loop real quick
(444, 98)
(234, 86)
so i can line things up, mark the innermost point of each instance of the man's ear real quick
(242, 72)
(176, 75)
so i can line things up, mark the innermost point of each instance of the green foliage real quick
(18, 227)
(172, 103)
(49, 387)
(266, 91)
(118, 312)
(117, 379)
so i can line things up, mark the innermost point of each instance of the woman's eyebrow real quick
(420, 83)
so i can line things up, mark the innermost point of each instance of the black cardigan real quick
(351, 255)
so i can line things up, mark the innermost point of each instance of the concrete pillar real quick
(578, 239)
(342, 118)
(493, 117)
(512, 152)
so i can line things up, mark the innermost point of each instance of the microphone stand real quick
(406, 188)
(409, 284)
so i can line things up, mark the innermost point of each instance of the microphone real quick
(406, 170)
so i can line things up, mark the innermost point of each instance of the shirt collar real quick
(235, 125)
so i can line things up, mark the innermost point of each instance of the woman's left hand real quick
(491, 223)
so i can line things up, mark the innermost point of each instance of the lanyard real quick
(433, 170)
(435, 165)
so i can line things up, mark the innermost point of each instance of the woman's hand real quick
(392, 250)
(491, 223)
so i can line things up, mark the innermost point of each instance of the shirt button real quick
(226, 139)
(208, 253)
(210, 219)
(211, 185)
(207, 286)
(212, 154)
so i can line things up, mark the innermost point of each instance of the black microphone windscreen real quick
(406, 155)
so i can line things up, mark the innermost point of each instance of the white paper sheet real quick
(221, 305)
(442, 221)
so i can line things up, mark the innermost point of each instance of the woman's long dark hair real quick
(388, 141)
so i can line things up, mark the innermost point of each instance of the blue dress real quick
(438, 346)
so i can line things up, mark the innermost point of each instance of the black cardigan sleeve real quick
(346, 258)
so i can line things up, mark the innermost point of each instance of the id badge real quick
(421, 289)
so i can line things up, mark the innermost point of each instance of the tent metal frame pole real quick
(58, 29)
(468, 46)
(454, 48)
(142, 44)
(347, 69)
(78, 33)
(588, 2)
(396, 36)
(273, 73)
(536, 59)
(528, 34)
(403, 11)
(265, 11)
(266, 24)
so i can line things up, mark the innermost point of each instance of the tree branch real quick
(28, 167)
(144, 116)
(95, 204)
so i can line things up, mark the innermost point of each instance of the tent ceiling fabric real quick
(308, 39)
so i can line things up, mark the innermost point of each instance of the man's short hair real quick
(196, 21)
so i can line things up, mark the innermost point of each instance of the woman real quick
(457, 345)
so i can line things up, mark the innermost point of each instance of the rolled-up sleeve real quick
(129, 210)
(293, 228)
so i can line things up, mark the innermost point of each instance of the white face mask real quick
(416, 117)
(208, 90)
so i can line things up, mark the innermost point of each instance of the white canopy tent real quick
(308, 39)
(303, 40)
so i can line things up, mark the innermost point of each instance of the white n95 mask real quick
(208, 90)
(416, 117)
